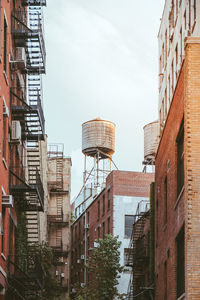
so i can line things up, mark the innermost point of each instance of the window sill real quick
(5, 164)
(3, 256)
(5, 76)
(182, 297)
(165, 227)
(179, 197)
(193, 25)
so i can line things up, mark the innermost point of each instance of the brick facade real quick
(99, 217)
(192, 167)
(167, 228)
(175, 208)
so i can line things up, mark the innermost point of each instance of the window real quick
(72, 232)
(165, 200)
(98, 232)
(163, 55)
(181, 43)
(5, 46)
(75, 233)
(128, 225)
(3, 229)
(185, 20)
(127, 253)
(79, 230)
(103, 205)
(176, 8)
(83, 223)
(165, 46)
(180, 261)
(98, 213)
(108, 220)
(88, 217)
(172, 70)
(189, 22)
(169, 89)
(88, 244)
(108, 199)
(165, 103)
(176, 55)
(103, 229)
(165, 280)
(195, 10)
(180, 159)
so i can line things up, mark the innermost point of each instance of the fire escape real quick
(137, 257)
(57, 219)
(28, 63)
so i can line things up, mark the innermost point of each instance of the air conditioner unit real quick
(96, 244)
(7, 200)
(83, 256)
(78, 261)
(87, 226)
(5, 110)
(62, 275)
(82, 284)
(16, 131)
(56, 272)
(20, 58)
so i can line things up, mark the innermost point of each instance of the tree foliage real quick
(42, 256)
(103, 270)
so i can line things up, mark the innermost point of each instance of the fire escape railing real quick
(34, 2)
(137, 253)
(59, 249)
(28, 279)
(57, 218)
(26, 28)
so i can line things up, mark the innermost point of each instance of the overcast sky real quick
(101, 62)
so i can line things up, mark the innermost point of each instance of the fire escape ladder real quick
(130, 289)
(59, 173)
(32, 227)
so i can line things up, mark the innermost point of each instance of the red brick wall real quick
(118, 183)
(130, 183)
(166, 165)
(192, 167)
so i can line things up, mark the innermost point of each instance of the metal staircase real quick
(136, 252)
(26, 106)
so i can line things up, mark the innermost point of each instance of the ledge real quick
(5, 76)
(179, 197)
(182, 297)
(5, 164)
(3, 256)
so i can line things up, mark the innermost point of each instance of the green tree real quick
(41, 255)
(103, 268)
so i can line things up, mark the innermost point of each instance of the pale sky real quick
(102, 61)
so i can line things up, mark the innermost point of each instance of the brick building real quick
(22, 62)
(177, 165)
(111, 211)
(58, 216)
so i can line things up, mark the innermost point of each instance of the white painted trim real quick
(5, 16)
(3, 272)
(3, 191)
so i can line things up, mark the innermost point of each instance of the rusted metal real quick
(151, 140)
(98, 136)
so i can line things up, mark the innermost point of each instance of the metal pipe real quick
(85, 232)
